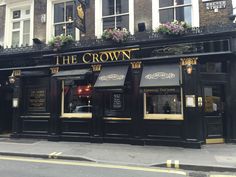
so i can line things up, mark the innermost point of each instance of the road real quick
(32, 167)
(29, 167)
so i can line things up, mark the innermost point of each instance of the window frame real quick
(10, 7)
(164, 116)
(50, 29)
(71, 115)
(194, 11)
(99, 17)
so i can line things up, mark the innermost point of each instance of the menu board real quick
(37, 99)
(117, 101)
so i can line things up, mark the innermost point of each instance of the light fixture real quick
(189, 68)
(12, 78)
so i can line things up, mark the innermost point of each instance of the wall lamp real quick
(12, 78)
(189, 68)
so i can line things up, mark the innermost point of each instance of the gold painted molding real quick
(54, 70)
(16, 73)
(215, 141)
(188, 61)
(116, 118)
(136, 64)
(96, 67)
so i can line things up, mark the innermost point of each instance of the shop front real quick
(160, 92)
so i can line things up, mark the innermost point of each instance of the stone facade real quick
(40, 8)
(90, 21)
(2, 23)
(209, 17)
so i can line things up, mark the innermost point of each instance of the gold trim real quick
(163, 117)
(116, 118)
(215, 141)
(54, 70)
(188, 61)
(136, 65)
(96, 67)
(16, 73)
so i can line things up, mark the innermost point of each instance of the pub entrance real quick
(214, 105)
(5, 109)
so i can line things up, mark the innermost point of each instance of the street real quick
(29, 167)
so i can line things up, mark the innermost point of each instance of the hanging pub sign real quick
(79, 21)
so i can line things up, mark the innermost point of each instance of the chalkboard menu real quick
(37, 99)
(117, 101)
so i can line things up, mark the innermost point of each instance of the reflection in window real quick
(171, 10)
(63, 19)
(77, 96)
(115, 14)
(213, 67)
(163, 101)
(214, 102)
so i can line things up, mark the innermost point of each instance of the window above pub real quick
(63, 19)
(110, 14)
(19, 23)
(170, 10)
(60, 19)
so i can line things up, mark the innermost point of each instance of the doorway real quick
(5, 109)
(214, 113)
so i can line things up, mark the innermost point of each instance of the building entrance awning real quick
(113, 76)
(72, 74)
(160, 75)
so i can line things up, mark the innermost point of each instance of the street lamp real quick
(12, 78)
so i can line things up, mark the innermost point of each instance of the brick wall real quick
(40, 7)
(209, 17)
(143, 13)
(2, 23)
(90, 21)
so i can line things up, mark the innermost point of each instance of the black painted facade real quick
(35, 65)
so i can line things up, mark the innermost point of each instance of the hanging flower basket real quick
(59, 42)
(116, 35)
(174, 28)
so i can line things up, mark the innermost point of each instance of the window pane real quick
(26, 27)
(16, 25)
(107, 7)
(59, 29)
(166, 15)
(166, 3)
(26, 39)
(122, 6)
(164, 102)
(181, 2)
(109, 23)
(122, 22)
(77, 97)
(214, 103)
(15, 38)
(59, 13)
(184, 14)
(69, 11)
(70, 30)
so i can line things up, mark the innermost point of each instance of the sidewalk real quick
(221, 157)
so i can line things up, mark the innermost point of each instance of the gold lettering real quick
(114, 55)
(103, 54)
(57, 60)
(125, 54)
(85, 59)
(73, 59)
(66, 60)
(95, 58)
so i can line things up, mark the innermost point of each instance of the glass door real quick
(214, 113)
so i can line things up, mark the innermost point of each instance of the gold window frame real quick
(164, 116)
(71, 115)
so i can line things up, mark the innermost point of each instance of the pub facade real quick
(150, 89)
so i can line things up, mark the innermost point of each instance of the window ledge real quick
(76, 115)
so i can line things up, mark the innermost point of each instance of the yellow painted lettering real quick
(95, 58)
(87, 58)
(103, 56)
